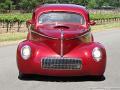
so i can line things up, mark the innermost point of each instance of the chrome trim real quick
(99, 58)
(24, 57)
(43, 35)
(78, 36)
(58, 38)
(62, 47)
(30, 35)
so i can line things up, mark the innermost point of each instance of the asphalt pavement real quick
(9, 73)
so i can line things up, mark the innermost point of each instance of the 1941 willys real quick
(60, 43)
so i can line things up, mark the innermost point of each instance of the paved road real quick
(9, 73)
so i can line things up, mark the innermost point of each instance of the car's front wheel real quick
(22, 75)
(99, 78)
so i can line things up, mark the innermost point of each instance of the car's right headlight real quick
(25, 52)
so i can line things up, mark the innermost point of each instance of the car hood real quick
(61, 38)
(66, 30)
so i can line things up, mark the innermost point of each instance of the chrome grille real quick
(62, 63)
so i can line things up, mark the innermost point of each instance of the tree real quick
(115, 3)
(7, 5)
(25, 5)
(92, 4)
(29, 5)
(100, 3)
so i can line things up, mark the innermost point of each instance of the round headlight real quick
(25, 52)
(97, 54)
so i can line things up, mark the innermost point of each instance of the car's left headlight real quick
(25, 52)
(97, 54)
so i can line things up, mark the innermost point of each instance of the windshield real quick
(61, 17)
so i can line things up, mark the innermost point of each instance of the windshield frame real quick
(63, 12)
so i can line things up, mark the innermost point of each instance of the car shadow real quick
(61, 79)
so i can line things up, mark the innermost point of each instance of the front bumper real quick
(86, 66)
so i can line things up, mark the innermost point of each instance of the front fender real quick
(84, 51)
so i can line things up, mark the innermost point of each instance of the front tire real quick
(22, 75)
(99, 78)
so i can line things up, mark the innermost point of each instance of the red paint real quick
(72, 45)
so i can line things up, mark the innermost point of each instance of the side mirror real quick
(92, 23)
(29, 24)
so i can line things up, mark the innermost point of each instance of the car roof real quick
(65, 5)
(62, 7)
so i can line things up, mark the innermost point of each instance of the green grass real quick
(104, 16)
(12, 36)
(106, 26)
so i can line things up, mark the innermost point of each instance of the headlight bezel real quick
(97, 54)
(28, 48)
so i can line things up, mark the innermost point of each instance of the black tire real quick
(99, 78)
(21, 75)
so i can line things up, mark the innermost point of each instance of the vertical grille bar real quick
(62, 37)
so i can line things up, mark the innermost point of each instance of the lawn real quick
(12, 36)
(106, 26)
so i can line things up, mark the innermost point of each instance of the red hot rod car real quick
(60, 43)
